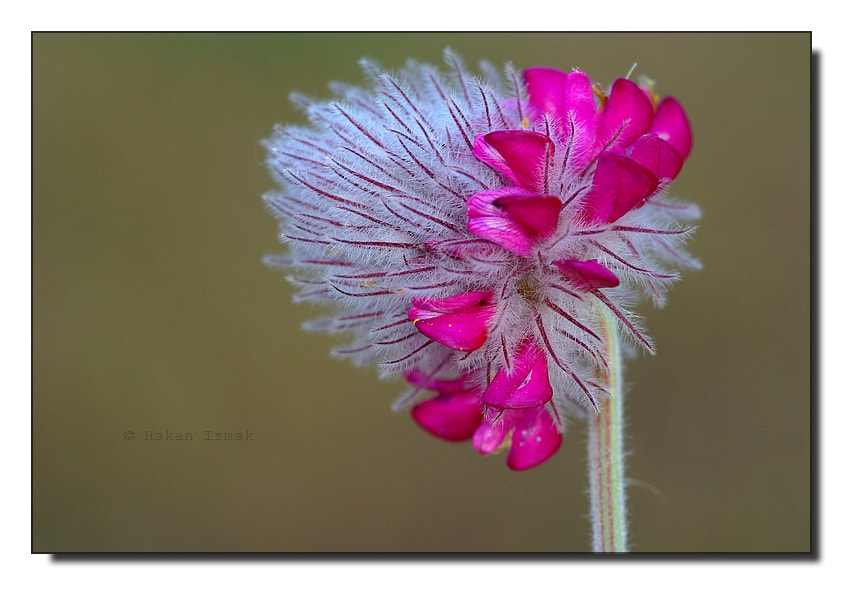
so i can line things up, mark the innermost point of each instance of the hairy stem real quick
(606, 454)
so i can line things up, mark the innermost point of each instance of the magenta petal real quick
(490, 221)
(587, 274)
(580, 100)
(459, 322)
(535, 440)
(556, 93)
(526, 386)
(426, 307)
(520, 155)
(627, 114)
(513, 217)
(464, 331)
(658, 156)
(671, 125)
(495, 427)
(442, 386)
(452, 417)
(618, 185)
(502, 231)
(545, 86)
(536, 213)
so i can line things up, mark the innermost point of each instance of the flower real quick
(468, 231)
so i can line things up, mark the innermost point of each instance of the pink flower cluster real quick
(496, 226)
(635, 150)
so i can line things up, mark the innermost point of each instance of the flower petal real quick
(545, 86)
(587, 274)
(569, 98)
(464, 331)
(627, 114)
(520, 155)
(671, 125)
(495, 428)
(513, 217)
(658, 156)
(453, 417)
(535, 439)
(427, 307)
(459, 322)
(536, 213)
(580, 100)
(502, 231)
(618, 185)
(527, 386)
(443, 386)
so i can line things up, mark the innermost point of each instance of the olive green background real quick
(152, 312)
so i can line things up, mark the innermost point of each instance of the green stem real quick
(606, 454)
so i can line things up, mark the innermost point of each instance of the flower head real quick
(468, 231)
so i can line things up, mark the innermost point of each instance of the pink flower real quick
(600, 122)
(454, 413)
(587, 275)
(532, 434)
(525, 385)
(464, 229)
(458, 413)
(459, 322)
(513, 218)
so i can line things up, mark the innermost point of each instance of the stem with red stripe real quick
(606, 453)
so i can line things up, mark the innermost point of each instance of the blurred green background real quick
(152, 311)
